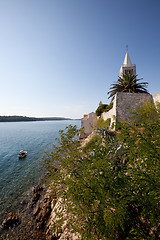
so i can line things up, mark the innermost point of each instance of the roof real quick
(86, 116)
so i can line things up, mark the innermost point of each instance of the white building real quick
(156, 98)
(87, 124)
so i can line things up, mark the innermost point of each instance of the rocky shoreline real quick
(37, 219)
(29, 221)
(36, 216)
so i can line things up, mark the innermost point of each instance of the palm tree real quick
(128, 83)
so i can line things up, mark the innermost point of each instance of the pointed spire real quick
(127, 66)
(127, 60)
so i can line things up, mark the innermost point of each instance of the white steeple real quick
(127, 66)
(127, 60)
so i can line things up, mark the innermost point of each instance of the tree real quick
(128, 83)
(112, 186)
(103, 108)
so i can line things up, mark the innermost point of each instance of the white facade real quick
(87, 124)
(111, 114)
(156, 98)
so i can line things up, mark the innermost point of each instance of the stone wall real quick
(127, 102)
(124, 103)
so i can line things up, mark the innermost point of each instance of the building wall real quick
(87, 124)
(111, 113)
(156, 98)
(130, 69)
(123, 104)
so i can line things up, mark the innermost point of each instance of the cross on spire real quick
(127, 47)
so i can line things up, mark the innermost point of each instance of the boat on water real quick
(22, 154)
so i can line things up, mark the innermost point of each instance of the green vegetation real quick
(103, 108)
(102, 124)
(111, 187)
(128, 83)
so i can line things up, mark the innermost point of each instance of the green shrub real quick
(102, 124)
(94, 142)
(103, 108)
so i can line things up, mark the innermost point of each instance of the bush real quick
(103, 108)
(113, 185)
(102, 124)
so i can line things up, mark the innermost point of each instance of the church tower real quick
(127, 66)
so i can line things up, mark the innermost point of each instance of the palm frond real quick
(128, 83)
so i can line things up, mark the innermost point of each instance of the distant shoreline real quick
(27, 119)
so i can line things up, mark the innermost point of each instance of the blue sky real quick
(60, 57)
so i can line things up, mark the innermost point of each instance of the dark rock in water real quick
(38, 188)
(12, 220)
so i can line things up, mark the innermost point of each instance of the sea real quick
(18, 176)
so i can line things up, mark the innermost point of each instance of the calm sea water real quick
(18, 176)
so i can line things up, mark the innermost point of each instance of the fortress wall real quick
(127, 102)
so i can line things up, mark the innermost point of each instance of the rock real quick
(36, 210)
(42, 217)
(37, 194)
(52, 237)
(23, 202)
(12, 220)
(43, 212)
(38, 188)
(35, 198)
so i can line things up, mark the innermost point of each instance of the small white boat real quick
(22, 154)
